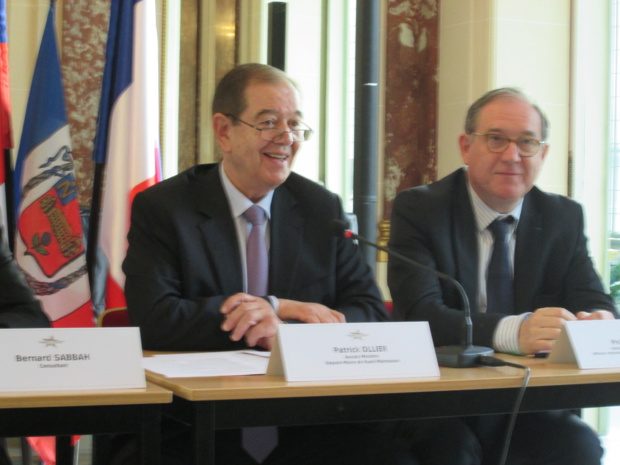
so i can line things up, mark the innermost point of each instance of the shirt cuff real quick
(275, 303)
(506, 336)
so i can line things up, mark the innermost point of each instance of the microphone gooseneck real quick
(461, 356)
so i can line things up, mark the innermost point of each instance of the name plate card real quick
(57, 359)
(346, 351)
(590, 344)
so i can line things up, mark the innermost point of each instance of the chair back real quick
(114, 318)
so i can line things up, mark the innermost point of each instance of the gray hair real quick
(229, 95)
(471, 120)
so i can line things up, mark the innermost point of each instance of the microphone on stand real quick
(459, 356)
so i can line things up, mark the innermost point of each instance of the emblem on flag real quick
(50, 227)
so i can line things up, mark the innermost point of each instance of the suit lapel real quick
(528, 250)
(287, 228)
(465, 242)
(218, 231)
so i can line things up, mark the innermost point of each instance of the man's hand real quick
(598, 315)
(251, 318)
(308, 312)
(539, 331)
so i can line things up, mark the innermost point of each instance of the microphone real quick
(465, 355)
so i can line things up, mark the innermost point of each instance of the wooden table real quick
(67, 413)
(232, 402)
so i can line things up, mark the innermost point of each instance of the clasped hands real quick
(253, 318)
(539, 332)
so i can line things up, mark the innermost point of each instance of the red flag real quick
(45, 447)
(6, 141)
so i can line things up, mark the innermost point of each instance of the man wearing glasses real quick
(522, 286)
(197, 277)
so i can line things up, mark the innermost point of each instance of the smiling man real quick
(187, 284)
(203, 273)
(522, 258)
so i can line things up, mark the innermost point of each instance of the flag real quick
(6, 141)
(49, 243)
(127, 139)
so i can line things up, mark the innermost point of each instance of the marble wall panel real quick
(412, 57)
(82, 49)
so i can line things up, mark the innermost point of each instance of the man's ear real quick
(221, 130)
(545, 151)
(464, 144)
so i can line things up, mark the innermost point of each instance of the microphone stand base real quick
(461, 356)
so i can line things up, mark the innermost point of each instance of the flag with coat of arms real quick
(49, 243)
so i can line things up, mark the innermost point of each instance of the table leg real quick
(64, 450)
(204, 433)
(151, 435)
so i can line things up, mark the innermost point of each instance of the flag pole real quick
(94, 218)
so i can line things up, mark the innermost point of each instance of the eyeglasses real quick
(274, 134)
(526, 146)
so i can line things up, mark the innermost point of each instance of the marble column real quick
(412, 55)
(411, 83)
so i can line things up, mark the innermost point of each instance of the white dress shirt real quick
(506, 336)
(239, 203)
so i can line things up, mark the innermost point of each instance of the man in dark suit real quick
(186, 279)
(19, 307)
(550, 277)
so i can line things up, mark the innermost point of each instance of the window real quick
(320, 57)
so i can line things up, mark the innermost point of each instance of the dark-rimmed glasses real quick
(526, 146)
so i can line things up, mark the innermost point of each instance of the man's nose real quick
(511, 152)
(285, 138)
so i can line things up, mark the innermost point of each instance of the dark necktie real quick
(500, 294)
(258, 260)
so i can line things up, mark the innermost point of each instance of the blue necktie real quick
(500, 293)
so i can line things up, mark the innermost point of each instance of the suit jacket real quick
(18, 306)
(435, 225)
(183, 259)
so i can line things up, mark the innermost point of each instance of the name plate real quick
(345, 351)
(57, 359)
(590, 344)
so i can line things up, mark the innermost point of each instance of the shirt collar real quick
(485, 215)
(238, 202)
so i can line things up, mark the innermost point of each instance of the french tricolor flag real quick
(127, 139)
